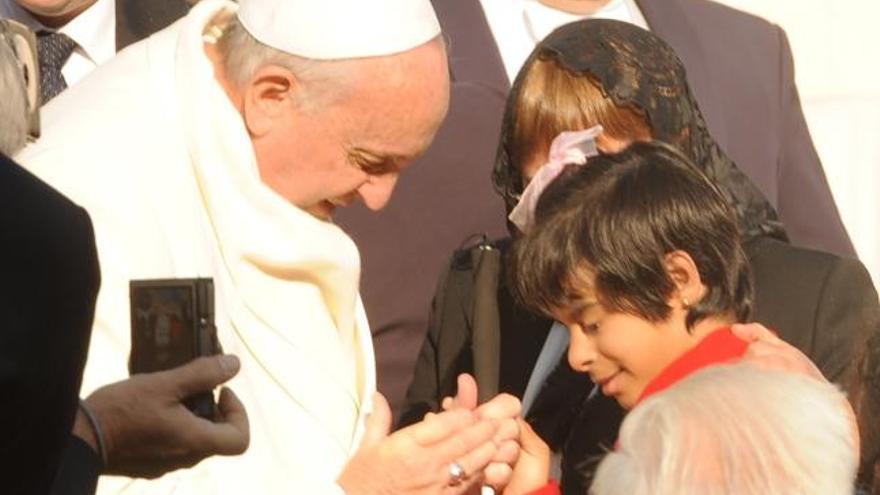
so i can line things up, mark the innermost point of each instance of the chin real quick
(50, 8)
(55, 13)
(626, 401)
(322, 211)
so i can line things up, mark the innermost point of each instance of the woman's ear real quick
(683, 271)
(268, 99)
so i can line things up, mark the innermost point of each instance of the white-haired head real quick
(13, 103)
(332, 125)
(735, 429)
(322, 81)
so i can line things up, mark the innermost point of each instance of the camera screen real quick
(164, 328)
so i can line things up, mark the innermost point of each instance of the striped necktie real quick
(54, 49)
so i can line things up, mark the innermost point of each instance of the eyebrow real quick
(577, 305)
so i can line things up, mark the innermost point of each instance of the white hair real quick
(13, 103)
(735, 429)
(323, 81)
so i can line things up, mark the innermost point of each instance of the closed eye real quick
(373, 164)
(590, 328)
(376, 168)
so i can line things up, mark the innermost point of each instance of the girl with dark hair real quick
(639, 256)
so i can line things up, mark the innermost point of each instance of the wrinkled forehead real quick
(401, 101)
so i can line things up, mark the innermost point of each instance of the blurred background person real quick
(75, 36)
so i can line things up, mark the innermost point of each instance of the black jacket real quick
(50, 281)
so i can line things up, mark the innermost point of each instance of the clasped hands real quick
(455, 451)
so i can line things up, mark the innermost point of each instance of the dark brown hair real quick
(615, 219)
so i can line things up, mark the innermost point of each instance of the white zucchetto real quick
(339, 29)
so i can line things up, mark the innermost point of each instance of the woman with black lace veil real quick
(608, 73)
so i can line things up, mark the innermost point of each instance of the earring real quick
(685, 303)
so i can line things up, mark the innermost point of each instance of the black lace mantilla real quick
(637, 68)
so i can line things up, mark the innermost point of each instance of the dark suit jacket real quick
(822, 304)
(138, 19)
(740, 68)
(79, 470)
(50, 281)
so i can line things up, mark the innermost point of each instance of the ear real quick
(683, 271)
(268, 98)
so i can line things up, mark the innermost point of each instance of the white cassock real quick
(151, 146)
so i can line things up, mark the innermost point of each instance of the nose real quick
(376, 191)
(581, 350)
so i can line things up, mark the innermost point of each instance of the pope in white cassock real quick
(218, 148)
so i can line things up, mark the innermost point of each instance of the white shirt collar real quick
(542, 20)
(517, 25)
(95, 31)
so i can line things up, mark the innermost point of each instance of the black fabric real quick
(822, 304)
(138, 19)
(593, 434)
(637, 68)
(50, 281)
(79, 471)
(564, 394)
(449, 347)
(54, 49)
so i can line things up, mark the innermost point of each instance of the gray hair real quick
(13, 103)
(323, 81)
(735, 429)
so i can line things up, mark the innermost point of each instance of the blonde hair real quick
(735, 430)
(554, 99)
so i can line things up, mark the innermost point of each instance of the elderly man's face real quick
(354, 149)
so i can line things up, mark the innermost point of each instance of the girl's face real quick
(621, 352)
(624, 352)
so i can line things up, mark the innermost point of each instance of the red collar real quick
(718, 347)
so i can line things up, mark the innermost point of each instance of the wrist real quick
(87, 427)
(83, 430)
